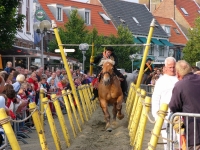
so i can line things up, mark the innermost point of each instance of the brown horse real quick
(110, 92)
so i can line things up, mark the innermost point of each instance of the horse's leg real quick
(119, 108)
(114, 111)
(104, 107)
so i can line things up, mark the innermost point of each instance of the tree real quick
(10, 22)
(191, 52)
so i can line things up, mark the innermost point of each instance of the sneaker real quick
(32, 128)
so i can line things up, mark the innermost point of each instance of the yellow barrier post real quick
(90, 96)
(42, 107)
(142, 125)
(132, 111)
(136, 118)
(52, 124)
(38, 125)
(60, 45)
(88, 104)
(132, 100)
(69, 113)
(152, 25)
(92, 59)
(83, 102)
(61, 119)
(129, 97)
(5, 122)
(74, 109)
(158, 126)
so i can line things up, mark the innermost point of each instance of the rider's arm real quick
(97, 59)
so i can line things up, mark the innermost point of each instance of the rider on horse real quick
(109, 54)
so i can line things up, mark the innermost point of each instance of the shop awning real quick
(143, 39)
(165, 42)
(157, 42)
(136, 40)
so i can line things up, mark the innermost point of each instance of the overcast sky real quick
(124, 0)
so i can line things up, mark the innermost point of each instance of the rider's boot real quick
(124, 86)
(95, 92)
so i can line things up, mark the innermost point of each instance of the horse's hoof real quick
(109, 129)
(120, 117)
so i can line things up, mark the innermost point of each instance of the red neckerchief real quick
(149, 66)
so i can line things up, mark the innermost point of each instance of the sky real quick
(136, 1)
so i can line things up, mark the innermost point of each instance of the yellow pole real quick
(52, 124)
(61, 119)
(54, 26)
(8, 130)
(87, 100)
(135, 121)
(69, 113)
(158, 127)
(152, 25)
(129, 97)
(142, 125)
(74, 110)
(42, 107)
(82, 101)
(38, 126)
(131, 102)
(134, 105)
(92, 59)
(90, 96)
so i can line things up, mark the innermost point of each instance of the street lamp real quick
(41, 28)
(83, 47)
(132, 58)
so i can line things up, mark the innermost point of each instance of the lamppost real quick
(41, 28)
(83, 47)
(132, 58)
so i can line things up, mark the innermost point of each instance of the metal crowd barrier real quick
(186, 116)
(148, 88)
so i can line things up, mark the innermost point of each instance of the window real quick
(87, 17)
(59, 14)
(105, 18)
(161, 50)
(27, 16)
(151, 50)
(184, 11)
(176, 30)
(199, 11)
(167, 29)
(19, 10)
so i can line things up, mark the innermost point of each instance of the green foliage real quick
(10, 22)
(191, 52)
(75, 32)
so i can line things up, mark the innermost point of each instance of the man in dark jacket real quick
(148, 69)
(109, 54)
(185, 98)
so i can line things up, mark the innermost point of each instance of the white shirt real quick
(162, 94)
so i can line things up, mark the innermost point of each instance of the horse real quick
(131, 77)
(110, 93)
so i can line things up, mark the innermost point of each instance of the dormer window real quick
(85, 15)
(136, 21)
(167, 29)
(184, 11)
(59, 14)
(57, 11)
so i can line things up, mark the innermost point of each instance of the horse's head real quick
(107, 71)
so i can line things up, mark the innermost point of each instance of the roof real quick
(122, 12)
(175, 38)
(96, 19)
(191, 8)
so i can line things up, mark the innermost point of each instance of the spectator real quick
(19, 80)
(147, 70)
(8, 67)
(163, 91)
(185, 98)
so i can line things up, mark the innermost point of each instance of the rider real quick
(109, 54)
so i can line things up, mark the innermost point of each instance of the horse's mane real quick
(106, 60)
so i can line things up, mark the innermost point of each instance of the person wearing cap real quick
(109, 54)
(148, 69)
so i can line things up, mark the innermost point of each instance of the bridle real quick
(110, 75)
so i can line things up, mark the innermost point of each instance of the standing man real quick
(185, 98)
(109, 54)
(148, 69)
(163, 91)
